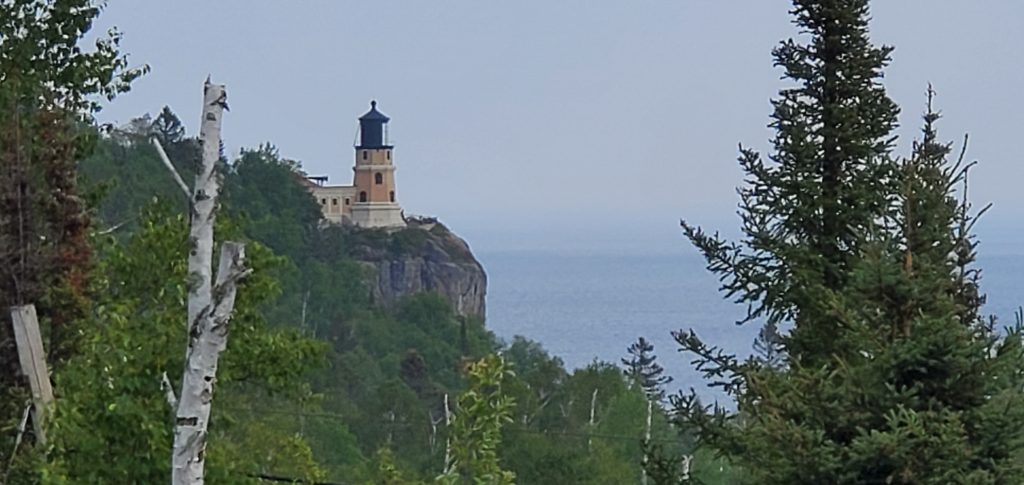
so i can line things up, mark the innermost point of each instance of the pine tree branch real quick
(723, 369)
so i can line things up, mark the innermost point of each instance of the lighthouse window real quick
(364, 155)
(378, 178)
(392, 196)
(362, 196)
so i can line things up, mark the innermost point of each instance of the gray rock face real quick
(426, 257)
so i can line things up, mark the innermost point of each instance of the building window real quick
(378, 178)
(334, 201)
(392, 196)
(323, 201)
(389, 154)
(364, 154)
(348, 201)
(362, 196)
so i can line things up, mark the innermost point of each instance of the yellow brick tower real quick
(375, 202)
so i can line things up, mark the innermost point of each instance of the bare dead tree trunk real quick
(593, 406)
(647, 440)
(17, 442)
(391, 427)
(305, 302)
(448, 439)
(209, 306)
(433, 431)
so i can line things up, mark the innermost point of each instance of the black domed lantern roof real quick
(371, 128)
(374, 115)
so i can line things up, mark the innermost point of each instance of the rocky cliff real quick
(423, 257)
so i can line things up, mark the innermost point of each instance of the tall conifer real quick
(887, 374)
(642, 369)
(805, 212)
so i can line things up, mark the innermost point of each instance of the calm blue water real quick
(587, 307)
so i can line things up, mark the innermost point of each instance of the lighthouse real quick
(370, 201)
(375, 204)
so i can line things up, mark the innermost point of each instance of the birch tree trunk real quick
(647, 441)
(209, 306)
(593, 406)
(448, 437)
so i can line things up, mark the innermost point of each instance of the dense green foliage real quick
(317, 381)
(874, 365)
(483, 410)
(131, 175)
(49, 88)
(113, 423)
(376, 411)
(886, 373)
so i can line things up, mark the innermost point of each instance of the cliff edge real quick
(425, 256)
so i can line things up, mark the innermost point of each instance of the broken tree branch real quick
(17, 440)
(170, 166)
(165, 384)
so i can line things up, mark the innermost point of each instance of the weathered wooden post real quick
(33, 364)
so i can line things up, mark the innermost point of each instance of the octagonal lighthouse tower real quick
(374, 180)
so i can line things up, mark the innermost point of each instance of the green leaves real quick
(50, 87)
(39, 51)
(482, 409)
(113, 423)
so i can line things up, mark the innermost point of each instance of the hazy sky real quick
(559, 124)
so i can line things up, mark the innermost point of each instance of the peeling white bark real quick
(448, 465)
(593, 407)
(209, 306)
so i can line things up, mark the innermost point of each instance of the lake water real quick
(587, 307)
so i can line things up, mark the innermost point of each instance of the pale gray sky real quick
(540, 124)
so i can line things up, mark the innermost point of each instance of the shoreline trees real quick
(886, 372)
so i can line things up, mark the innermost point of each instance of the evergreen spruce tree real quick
(887, 372)
(184, 152)
(168, 128)
(643, 369)
(806, 212)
